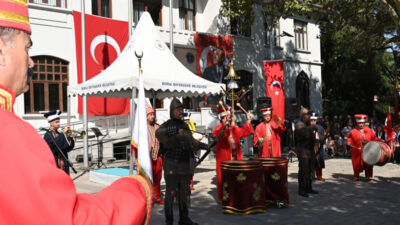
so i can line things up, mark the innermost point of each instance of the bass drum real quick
(276, 180)
(243, 187)
(376, 153)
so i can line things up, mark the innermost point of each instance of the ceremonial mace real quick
(232, 84)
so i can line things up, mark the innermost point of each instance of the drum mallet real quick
(240, 106)
(222, 105)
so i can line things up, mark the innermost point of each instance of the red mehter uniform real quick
(269, 131)
(35, 191)
(156, 161)
(224, 149)
(355, 139)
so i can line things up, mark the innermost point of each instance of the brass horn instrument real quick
(78, 134)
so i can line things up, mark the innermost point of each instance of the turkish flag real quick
(274, 78)
(105, 39)
(205, 46)
(390, 135)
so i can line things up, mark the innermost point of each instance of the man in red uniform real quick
(156, 162)
(267, 135)
(356, 139)
(228, 141)
(34, 190)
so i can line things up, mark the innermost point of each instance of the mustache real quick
(30, 73)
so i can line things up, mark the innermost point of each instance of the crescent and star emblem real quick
(103, 39)
(276, 83)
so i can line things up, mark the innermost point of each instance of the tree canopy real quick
(355, 37)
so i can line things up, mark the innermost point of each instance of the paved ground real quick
(340, 201)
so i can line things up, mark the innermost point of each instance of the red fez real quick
(14, 14)
(266, 111)
(149, 109)
(222, 113)
(361, 117)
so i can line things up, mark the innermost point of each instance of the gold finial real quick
(139, 57)
(232, 73)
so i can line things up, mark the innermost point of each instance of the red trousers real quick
(157, 174)
(359, 165)
(318, 172)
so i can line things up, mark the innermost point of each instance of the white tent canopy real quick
(162, 72)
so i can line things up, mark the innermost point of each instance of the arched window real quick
(303, 90)
(48, 86)
(245, 81)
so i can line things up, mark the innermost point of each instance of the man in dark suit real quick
(216, 73)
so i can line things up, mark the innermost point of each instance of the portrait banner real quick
(206, 45)
(274, 78)
(105, 40)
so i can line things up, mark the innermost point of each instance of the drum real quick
(242, 189)
(376, 153)
(276, 180)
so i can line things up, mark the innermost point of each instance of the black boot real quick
(312, 191)
(187, 221)
(301, 193)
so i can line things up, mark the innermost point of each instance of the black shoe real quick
(187, 222)
(303, 194)
(312, 192)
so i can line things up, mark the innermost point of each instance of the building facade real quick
(54, 51)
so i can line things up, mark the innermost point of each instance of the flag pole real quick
(85, 117)
(133, 105)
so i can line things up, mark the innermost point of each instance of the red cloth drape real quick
(274, 78)
(101, 51)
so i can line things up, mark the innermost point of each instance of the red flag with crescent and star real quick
(105, 39)
(274, 78)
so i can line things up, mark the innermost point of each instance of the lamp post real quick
(375, 100)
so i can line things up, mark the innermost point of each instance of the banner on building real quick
(105, 39)
(274, 78)
(205, 47)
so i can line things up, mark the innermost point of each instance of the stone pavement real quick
(340, 201)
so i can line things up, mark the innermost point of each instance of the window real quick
(187, 15)
(48, 86)
(238, 28)
(300, 34)
(56, 3)
(102, 8)
(151, 6)
(276, 32)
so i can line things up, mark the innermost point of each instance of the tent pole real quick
(130, 17)
(85, 117)
(69, 110)
(171, 28)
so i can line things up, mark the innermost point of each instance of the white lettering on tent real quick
(198, 86)
(166, 84)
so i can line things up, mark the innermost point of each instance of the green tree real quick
(355, 35)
